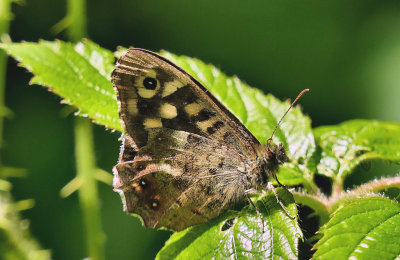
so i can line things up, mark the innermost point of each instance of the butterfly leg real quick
(270, 186)
(279, 183)
(257, 210)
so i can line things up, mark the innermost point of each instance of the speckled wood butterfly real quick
(185, 158)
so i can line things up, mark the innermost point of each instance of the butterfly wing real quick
(154, 93)
(177, 136)
(180, 179)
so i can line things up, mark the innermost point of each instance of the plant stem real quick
(378, 185)
(16, 241)
(5, 15)
(88, 194)
(76, 14)
(84, 151)
(317, 202)
(337, 188)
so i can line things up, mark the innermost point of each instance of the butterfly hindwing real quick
(178, 186)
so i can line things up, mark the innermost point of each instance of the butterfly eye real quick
(150, 83)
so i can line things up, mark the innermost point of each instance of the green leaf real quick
(80, 74)
(291, 174)
(367, 228)
(238, 234)
(346, 145)
(102, 59)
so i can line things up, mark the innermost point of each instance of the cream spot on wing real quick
(132, 106)
(192, 109)
(171, 87)
(144, 92)
(152, 123)
(168, 111)
(206, 124)
(147, 93)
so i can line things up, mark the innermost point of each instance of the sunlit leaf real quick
(367, 228)
(346, 145)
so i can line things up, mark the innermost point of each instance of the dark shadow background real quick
(346, 51)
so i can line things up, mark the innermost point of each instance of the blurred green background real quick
(347, 52)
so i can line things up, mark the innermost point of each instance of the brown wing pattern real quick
(185, 156)
(187, 180)
(155, 93)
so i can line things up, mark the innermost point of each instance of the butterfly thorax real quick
(271, 156)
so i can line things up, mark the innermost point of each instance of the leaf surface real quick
(367, 228)
(348, 144)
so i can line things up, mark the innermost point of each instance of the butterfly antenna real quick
(294, 102)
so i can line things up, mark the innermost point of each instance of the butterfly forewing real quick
(184, 156)
(155, 93)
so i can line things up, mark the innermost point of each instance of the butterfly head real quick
(273, 156)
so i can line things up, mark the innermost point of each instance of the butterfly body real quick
(185, 158)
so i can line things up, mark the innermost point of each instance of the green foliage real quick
(367, 228)
(347, 145)
(80, 75)
(15, 239)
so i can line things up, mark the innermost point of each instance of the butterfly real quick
(185, 158)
